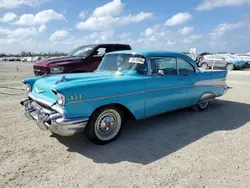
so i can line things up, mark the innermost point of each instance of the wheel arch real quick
(128, 115)
(207, 96)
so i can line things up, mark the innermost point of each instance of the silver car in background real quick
(225, 61)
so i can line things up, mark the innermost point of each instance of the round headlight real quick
(28, 88)
(60, 99)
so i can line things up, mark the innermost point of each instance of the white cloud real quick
(109, 22)
(113, 8)
(148, 32)
(9, 16)
(124, 35)
(221, 29)
(40, 18)
(212, 4)
(59, 35)
(192, 38)
(186, 30)
(108, 17)
(42, 28)
(82, 14)
(179, 19)
(18, 3)
(19, 32)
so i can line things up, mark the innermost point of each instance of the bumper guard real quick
(47, 119)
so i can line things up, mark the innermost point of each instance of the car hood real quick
(44, 87)
(58, 61)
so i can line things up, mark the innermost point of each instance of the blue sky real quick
(61, 25)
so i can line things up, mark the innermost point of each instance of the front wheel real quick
(204, 66)
(105, 125)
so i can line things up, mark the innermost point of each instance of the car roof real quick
(155, 53)
(111, 44)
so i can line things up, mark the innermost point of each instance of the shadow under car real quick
(151, 139)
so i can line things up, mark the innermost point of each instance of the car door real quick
(220, 61)
(164, 88)
(95, 58)
(188, 76)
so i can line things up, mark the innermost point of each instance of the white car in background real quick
(225, 61)
(246, 58)
(29, 59)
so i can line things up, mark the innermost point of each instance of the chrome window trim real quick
(195, 68)
(163, 57)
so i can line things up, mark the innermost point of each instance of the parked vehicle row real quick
(23, 59)
(127, 84)
(223, 60)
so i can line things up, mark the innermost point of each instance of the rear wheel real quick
(230, 67)
(105, 125)
(202, 105)
(204, 66)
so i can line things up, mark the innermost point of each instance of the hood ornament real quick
(39, 90)
(63, 79)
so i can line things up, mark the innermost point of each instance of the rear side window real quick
(184, 67)
(166, 64)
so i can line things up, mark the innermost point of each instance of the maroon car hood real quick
(57, 61)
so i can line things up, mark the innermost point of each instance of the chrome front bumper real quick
(50, 119)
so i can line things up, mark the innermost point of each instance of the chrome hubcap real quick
(230, 67)
(204, 66)
(203, 105)
(108, 125)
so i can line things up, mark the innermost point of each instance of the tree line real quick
(32, 54)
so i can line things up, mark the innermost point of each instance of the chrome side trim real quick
(219, 81)
(168, 88)
(140, 92)
(63, 121)
(107, 97)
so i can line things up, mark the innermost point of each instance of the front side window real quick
(164, 65)
(184, 67)
(124, 63)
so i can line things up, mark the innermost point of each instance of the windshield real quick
(232, 57)
(82, 51)
(124, 63)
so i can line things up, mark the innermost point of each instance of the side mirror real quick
(160, 72)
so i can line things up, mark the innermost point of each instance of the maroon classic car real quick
(82, 59)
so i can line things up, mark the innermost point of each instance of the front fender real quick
(84, 100)
(31, 80)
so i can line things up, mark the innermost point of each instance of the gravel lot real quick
(177, 149)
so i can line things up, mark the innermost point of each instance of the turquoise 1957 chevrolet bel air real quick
(127, 84)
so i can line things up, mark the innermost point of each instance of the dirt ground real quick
(178, 149)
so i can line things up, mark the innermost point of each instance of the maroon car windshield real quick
(82, 51)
